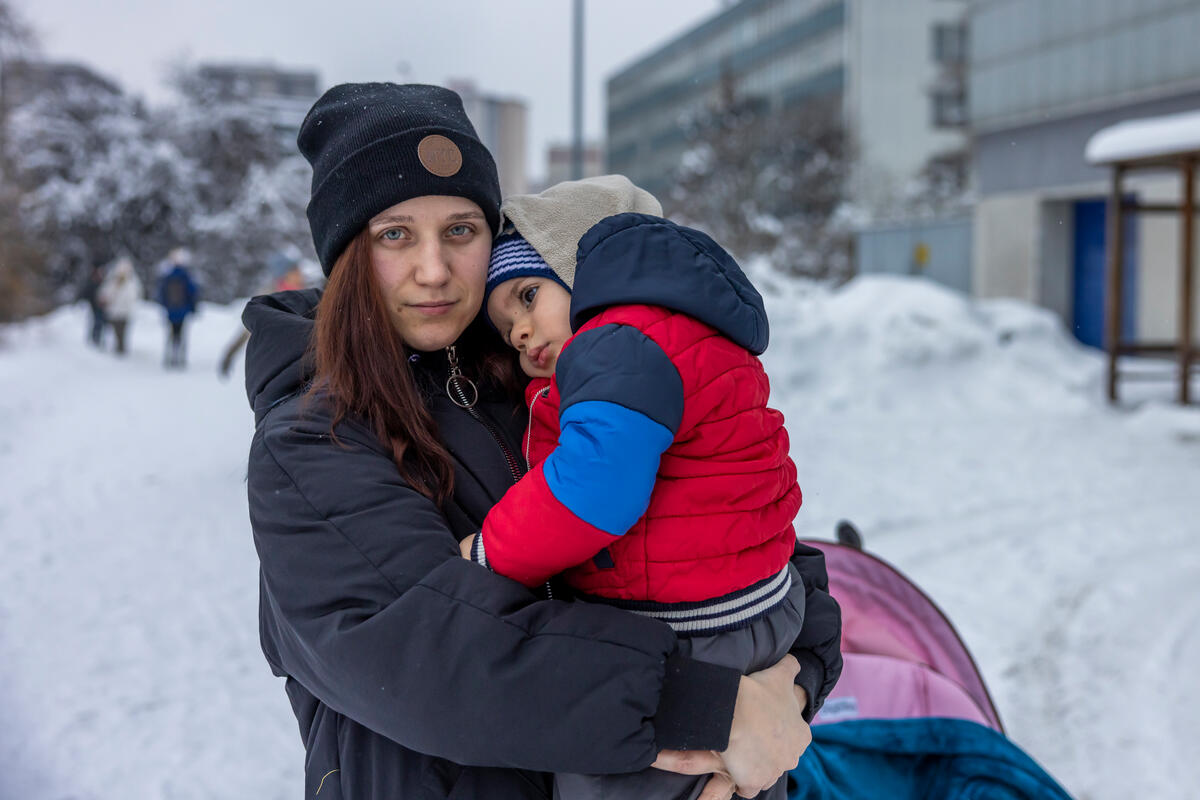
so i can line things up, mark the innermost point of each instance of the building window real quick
(949, 43)
(949, 108)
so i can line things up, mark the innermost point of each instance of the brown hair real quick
(362, 366)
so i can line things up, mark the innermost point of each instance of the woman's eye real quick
(461, 230)
(392, 234)
(528, 294)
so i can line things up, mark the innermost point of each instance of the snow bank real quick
(896, 343)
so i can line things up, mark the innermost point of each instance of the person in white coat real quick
(119, 293)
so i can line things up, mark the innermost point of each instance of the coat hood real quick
(554, 221)
(277, 361)
(642, 259)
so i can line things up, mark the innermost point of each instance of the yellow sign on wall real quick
(920, 256)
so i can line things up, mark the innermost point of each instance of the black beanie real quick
(372, 145)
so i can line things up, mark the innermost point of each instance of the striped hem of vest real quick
(704, 617)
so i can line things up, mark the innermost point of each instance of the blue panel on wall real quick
(1089, 271)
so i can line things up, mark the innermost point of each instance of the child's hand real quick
(464, 547)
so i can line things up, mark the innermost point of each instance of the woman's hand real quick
(464, 547)
(699, 762)
(769, 733)
(767, 737)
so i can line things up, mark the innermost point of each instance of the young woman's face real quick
(430, 256)
(534, 316)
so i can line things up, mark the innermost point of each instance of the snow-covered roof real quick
(1148, 137)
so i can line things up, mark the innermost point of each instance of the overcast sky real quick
(519, 48)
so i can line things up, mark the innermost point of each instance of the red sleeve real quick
(529, 535)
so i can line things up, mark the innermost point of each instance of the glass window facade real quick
(1033, 59)
(778, 49)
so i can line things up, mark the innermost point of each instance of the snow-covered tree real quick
(99, 181)
(223, 132)
(942, 187)
(100, 175)
(16, 41)
(233, 244)
(251, 191)
(21, 287)
(768, 182)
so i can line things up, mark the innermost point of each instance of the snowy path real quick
(129, 660)
(1059, 536)
(1065, 551)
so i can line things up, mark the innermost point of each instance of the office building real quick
(1043, 78)
(895, 70)
(560, 160)
(501, 125)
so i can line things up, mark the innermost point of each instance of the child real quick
(659, 480)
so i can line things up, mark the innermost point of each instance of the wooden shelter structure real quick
(1169, 143)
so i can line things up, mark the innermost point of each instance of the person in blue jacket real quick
(387, 415)
(177, 293)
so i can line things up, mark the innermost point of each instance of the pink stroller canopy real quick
(903, 658)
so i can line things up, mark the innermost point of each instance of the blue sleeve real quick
(621, 406)
(606, 463)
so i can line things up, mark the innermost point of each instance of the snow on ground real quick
(968, 440)
(129, 661)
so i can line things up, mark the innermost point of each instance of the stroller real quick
(910, 717)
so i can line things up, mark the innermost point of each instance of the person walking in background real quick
(119, 292)
(285, 271)
(89, 291)
(177, 293)
(284, 267)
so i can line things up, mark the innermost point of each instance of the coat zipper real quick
(456, 384)
(529, 427)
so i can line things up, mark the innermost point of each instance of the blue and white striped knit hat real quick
(514, 257)
(542, 233)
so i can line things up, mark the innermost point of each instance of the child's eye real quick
(528, 294)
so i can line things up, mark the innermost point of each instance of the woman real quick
(119, 294)
(414, 672)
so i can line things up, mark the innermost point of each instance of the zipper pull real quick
(457, 383)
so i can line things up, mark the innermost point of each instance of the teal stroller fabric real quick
(927, 758)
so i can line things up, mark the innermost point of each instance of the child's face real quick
(534, 316)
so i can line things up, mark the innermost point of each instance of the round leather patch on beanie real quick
(439, 155)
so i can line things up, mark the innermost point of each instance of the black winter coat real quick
(415, 673)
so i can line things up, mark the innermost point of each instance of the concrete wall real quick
(890, 53)
(1051, 153)
(1056, 257)
(1007, 246)
(898, 249)
(510, 147)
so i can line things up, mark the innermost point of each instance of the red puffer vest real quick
(720, 517)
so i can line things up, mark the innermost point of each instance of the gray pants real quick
(748, 649)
